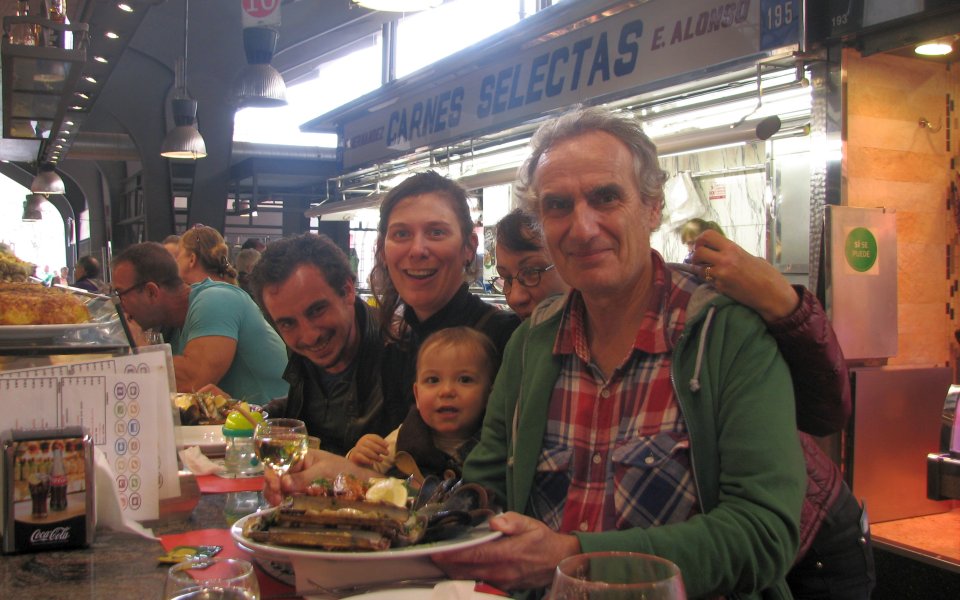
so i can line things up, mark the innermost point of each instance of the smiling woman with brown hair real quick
(425, 255)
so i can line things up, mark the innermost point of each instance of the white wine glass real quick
(279, 443)
(212, 579)
(617, 576)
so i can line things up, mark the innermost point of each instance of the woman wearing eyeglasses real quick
(526, 274)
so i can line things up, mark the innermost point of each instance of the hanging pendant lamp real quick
(47, 181)
(31, 208)
(184, 140)
(259, 83)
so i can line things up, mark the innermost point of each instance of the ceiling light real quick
(89, 78)
(31, 208)
(184, 140)
(82, 95)
(934, 49)
(47, 181)
(398, 5)
(112, 35)
(100, 59)
(125, 7)
(259, 84)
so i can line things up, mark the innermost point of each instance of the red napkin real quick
(214, 484)
(221, 537)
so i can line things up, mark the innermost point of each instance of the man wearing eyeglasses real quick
(221, 336)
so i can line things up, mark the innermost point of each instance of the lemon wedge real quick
(390, 490)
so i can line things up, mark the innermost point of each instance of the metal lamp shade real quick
(31, 208)
(260, 85)
(184, 141)
(47, 181)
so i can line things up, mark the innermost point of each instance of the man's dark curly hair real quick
(282, 257)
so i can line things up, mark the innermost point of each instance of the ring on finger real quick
(708, 275)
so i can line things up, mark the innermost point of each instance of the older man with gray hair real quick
(642, 411)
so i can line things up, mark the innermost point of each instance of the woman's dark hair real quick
(211, 251)
(519, 231)
(282, 257)
(428, 182)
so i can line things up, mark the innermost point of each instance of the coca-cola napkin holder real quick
(48, 494)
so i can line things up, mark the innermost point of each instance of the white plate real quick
(475, 536)
(42, 332)
(208, 437)
(314, 568)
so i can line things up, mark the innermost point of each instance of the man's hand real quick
(748, 279)
(370, 450)
(525, 557)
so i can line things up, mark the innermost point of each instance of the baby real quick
(455, 370)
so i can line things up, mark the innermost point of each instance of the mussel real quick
(452, 507)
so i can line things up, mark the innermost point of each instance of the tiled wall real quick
(891, 161)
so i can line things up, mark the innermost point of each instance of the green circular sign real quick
(860, 249)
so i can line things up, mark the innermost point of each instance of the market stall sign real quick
(603, 59)
(860, 249)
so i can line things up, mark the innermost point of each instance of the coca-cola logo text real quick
(45, 536)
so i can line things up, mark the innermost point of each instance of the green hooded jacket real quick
(735, 393)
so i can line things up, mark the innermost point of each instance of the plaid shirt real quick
(616, 452)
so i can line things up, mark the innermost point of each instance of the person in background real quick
(455, 370)
(63, 278)
(87, 272)
(306, 288)
(220, 335)
(694, 227)
(246, 259)
(204, 255)
(633, 413)
(425, 257)
(47, 277)
(255, 244)
(525, 273)
(835, 560)
(172, 244)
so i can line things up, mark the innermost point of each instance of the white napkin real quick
(197, 463)
(455, 590)
(109, 513)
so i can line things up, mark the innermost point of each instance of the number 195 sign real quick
(260, 12)
(780, 23)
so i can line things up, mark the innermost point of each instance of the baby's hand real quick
(370, 450)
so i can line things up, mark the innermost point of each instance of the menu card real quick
(124, 404)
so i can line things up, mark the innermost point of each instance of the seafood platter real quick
(348, 532)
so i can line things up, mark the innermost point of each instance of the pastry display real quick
(34, 304)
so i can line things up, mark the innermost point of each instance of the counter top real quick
(934, 539)
(116, 565)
